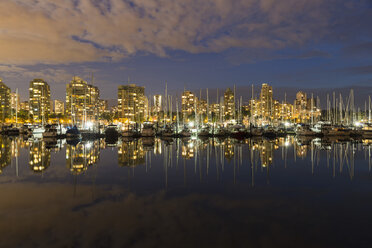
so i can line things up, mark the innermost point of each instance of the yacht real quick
(335, 131)
(37, 131)
(305, 130)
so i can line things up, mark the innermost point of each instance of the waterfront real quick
(260, 192)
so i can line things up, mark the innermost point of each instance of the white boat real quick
(37, 131)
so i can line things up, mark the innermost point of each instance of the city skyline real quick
(320, 45)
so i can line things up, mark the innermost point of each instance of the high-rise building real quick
(59, 107)
(82, 102)
(229, 104)
(15, 102)
(103, 106)
(39, 100)
(5, 100)
(266, 102)
(188, 103)
(286, 112)
(202, 106)
(157, 103)
(300, 107)
(25, 105)
(131, 103)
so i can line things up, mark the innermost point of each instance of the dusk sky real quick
(190, 43)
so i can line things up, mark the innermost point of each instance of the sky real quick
(188, 44)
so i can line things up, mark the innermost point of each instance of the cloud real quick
(70, 31)
(314, 54)
(364, 49)
(359, 70)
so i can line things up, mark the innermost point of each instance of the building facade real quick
(188, 104)
(59, 107)
(82, 102)
(5, 99)
(131, 103)
(266, 103)
(39, 100)
(229, 104)
(15, 101)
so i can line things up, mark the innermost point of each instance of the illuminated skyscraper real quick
(59, 107)
(202, 106)
(82, 102)
(300, 107)
(39, 100)
(15, 102)
(266, 102)
(229, 104)
(5, 99)
(25, 105)
(188, 103)
(131, 103)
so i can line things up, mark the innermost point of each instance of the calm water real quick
(186, 193)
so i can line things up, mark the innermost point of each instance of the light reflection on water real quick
(185, 192)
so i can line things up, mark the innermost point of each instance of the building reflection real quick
(131, 153)
(5, 152)
(207, 155)
(79, 157)
(188, 148)
(39, 157)
(229, 149)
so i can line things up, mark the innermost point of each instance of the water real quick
(186, 193)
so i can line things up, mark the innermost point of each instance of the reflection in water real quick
(204, 154)
(131, 153)
(79, 157)
(5, 152)
(254, 192)
(39, 157)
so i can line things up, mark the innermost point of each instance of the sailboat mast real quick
(16, 107)
(369, 114)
